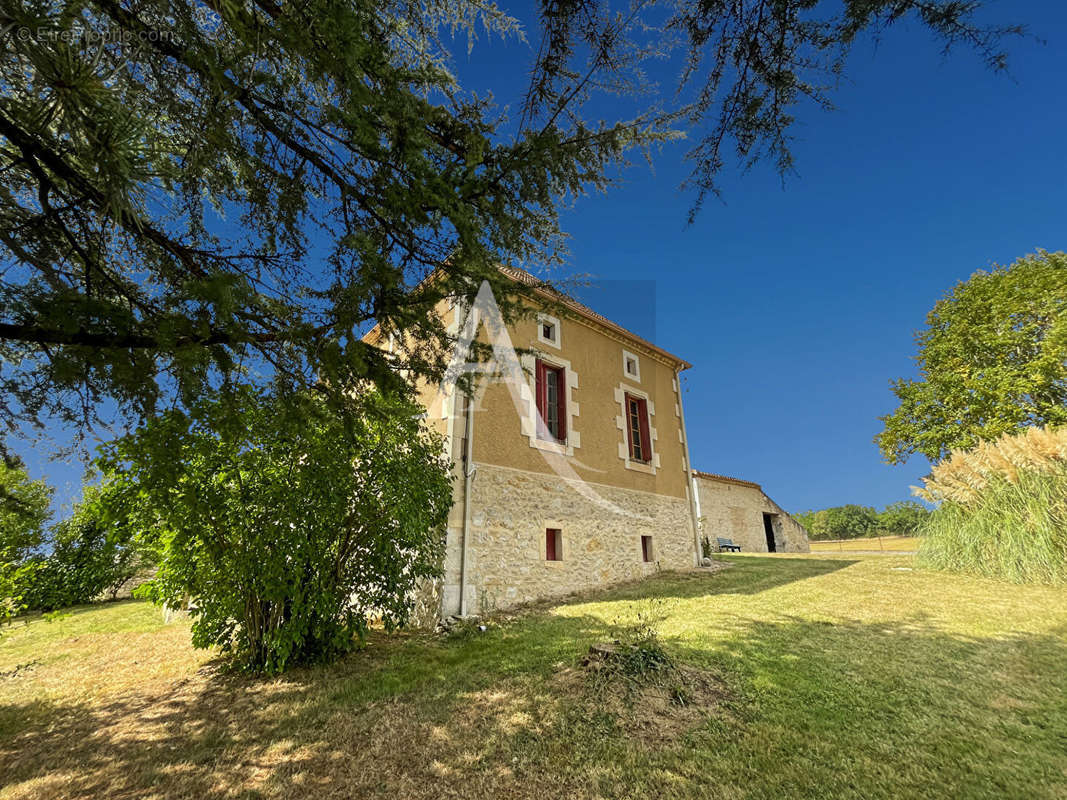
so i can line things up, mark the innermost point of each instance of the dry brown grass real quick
(654, 714)
(889, 544)
(207, 736)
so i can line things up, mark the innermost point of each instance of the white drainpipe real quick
(468, 477)
(690, 482)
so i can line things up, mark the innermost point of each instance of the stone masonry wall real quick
(510, 511)
(734, 510)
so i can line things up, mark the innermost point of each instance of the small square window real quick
(631, 365)
(646, 548)
(548, 330)
(553, 544)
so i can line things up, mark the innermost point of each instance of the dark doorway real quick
(768, 528)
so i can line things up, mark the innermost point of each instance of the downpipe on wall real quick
(468, 478)
(690, 483)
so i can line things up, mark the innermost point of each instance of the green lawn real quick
(842, 677)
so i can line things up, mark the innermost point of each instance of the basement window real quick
(553, 544)
(646, 549)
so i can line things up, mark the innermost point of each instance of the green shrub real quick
(24, 510)
(90, 557)
(290, 525)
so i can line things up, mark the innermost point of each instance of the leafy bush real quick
(24, 510)
(90, 556)
(289, 524)
(1002, 509)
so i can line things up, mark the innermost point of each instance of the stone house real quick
(574, 474)
(571, 471)
(730, 508)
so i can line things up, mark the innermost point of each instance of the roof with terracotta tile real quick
(581, 310)
(711, 476)
(589, 314)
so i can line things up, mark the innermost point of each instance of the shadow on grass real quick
(886, 710)
(745, 575)
(813, 710)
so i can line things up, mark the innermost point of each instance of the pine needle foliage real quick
(195, 192)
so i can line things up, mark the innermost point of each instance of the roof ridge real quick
(529, 278)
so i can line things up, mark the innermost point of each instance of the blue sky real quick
(797, 305)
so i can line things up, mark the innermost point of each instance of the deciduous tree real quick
(90, 554)
(992, 360)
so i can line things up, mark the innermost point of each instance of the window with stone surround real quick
(553, 544)
(551, 402)
(646, 549)
(548, 331)
(637, 432)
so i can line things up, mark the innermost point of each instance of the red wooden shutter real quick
(540, 391)
(646, 548)
(646, 441)
(561, 402)
(629, 428)
(550, 544)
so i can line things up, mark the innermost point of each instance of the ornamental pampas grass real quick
(1002, 508)
(965, 473)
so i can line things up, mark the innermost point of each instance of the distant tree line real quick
(854, 521)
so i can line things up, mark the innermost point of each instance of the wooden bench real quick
(728, 544)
